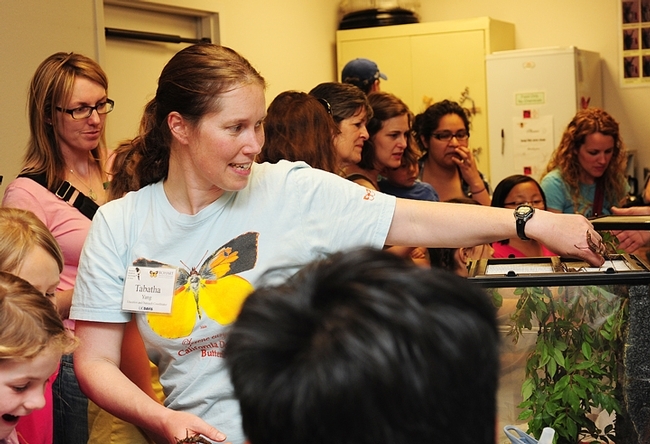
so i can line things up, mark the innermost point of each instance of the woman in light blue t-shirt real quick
(207, 212)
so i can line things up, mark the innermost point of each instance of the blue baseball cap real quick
(362, 69)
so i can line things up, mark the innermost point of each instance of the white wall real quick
(31, 31)
(587, 24)
(292, 43)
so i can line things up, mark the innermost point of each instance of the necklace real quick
(91, 193)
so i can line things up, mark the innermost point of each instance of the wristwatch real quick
(523, 213)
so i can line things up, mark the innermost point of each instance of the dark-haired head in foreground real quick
(365, 347)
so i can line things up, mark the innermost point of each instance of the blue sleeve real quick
(99, 285)
(556, 192)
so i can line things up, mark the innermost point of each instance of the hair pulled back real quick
(346, 100)
(191, 84)
(298, 127)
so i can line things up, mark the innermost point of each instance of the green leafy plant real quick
(574, 367)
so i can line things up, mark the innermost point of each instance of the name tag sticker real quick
(149, 289)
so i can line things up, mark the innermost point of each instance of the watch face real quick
(523, 210)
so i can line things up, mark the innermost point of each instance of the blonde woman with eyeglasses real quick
(62, 182)
(442, 131)
(66, 154)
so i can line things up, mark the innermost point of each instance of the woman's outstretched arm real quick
(440, 224)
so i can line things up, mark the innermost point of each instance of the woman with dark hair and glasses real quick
(511, 192)
(350, 110)
(299, 127)
(442, 132)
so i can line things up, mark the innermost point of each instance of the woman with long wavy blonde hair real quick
(586, 173)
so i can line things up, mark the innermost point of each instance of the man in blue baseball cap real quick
(364, 74)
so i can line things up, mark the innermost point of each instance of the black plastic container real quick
(369, 18)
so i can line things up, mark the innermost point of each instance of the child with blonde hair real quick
(32, 341)
(29, 251)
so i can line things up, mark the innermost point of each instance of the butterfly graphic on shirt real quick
(214, 290)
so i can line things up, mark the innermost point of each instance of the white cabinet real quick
(429, 62)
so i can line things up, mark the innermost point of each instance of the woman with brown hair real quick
(586, 174)
(206, 203)
(350, 110)
(390, 138)
(299, 127)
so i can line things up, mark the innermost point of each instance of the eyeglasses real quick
(83, 112)
(327, 105)
(446, 136)
(534, 203)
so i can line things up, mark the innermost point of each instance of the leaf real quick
(551, 408)
(558, 356)
(561, 384)
(586, 350)
(571, 429)
(497, 299)
(525, 414)
(573, 400)
(527, 389)
(551, 367)
(560, 345)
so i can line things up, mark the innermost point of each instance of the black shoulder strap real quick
(38, 178)
(65, 191)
